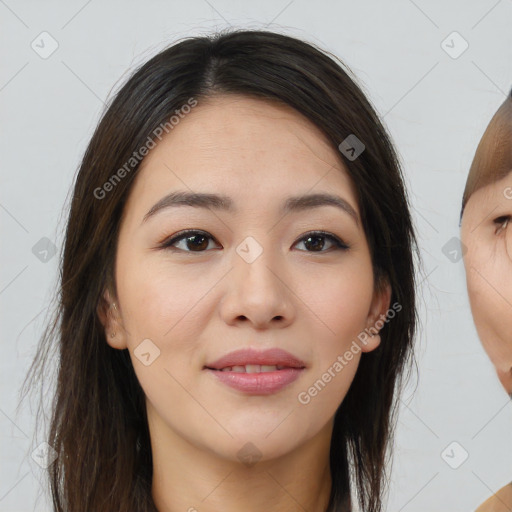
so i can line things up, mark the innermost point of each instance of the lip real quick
(270, 357)
(261, 383)
(258, 383)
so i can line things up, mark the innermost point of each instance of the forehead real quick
(498, 190)
(243, 127)
(235, 114)
(495, 196)
(244, 146)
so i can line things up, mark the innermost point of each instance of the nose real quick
(258, 292)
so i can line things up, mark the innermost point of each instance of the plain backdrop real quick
(454, 436)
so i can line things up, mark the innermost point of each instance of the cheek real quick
(338, 306)
(508, 245)
(489, 280)
(168, 306)
(161, 299)
(343, 303)
(489, 266)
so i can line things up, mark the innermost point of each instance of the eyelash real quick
(167, 244)
(501, 223)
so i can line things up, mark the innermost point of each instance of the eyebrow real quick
(225, 203)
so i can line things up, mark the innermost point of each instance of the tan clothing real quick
(499, 502)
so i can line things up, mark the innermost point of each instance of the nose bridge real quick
(257, 289)
(256, 265)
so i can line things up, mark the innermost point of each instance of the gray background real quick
(436, 108)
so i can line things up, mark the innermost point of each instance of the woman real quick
(485, 231)
(237, 291)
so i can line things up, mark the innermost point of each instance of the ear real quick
(377, 315)
(109, 313)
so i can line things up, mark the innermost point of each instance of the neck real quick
(191, 478)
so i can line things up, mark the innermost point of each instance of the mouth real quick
(257, 372)
(251, 368)
(250, 360)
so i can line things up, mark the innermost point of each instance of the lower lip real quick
(263, 383)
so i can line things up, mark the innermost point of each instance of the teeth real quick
(252, 368)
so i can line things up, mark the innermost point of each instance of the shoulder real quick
(499, 502)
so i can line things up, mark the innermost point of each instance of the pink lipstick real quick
(257, 372)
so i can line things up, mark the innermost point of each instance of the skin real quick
(198, 306)
(488, 262)
(487, 234)
(499, 502)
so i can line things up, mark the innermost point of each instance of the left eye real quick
(198, 241)
(501, 223)
(312, 240)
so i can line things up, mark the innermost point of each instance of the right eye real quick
(193, 241)
(501, 223)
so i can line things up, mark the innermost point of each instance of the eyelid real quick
(501, 223)
(167, 242)
(336, 240)
(501, 219)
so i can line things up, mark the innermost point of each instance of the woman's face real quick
(253, 278)
(487, 235)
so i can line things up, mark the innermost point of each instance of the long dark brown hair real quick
(98, 424)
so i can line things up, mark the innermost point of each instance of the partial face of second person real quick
(198, 300)
(487, 234)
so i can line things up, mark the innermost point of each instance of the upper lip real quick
(270, 357)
